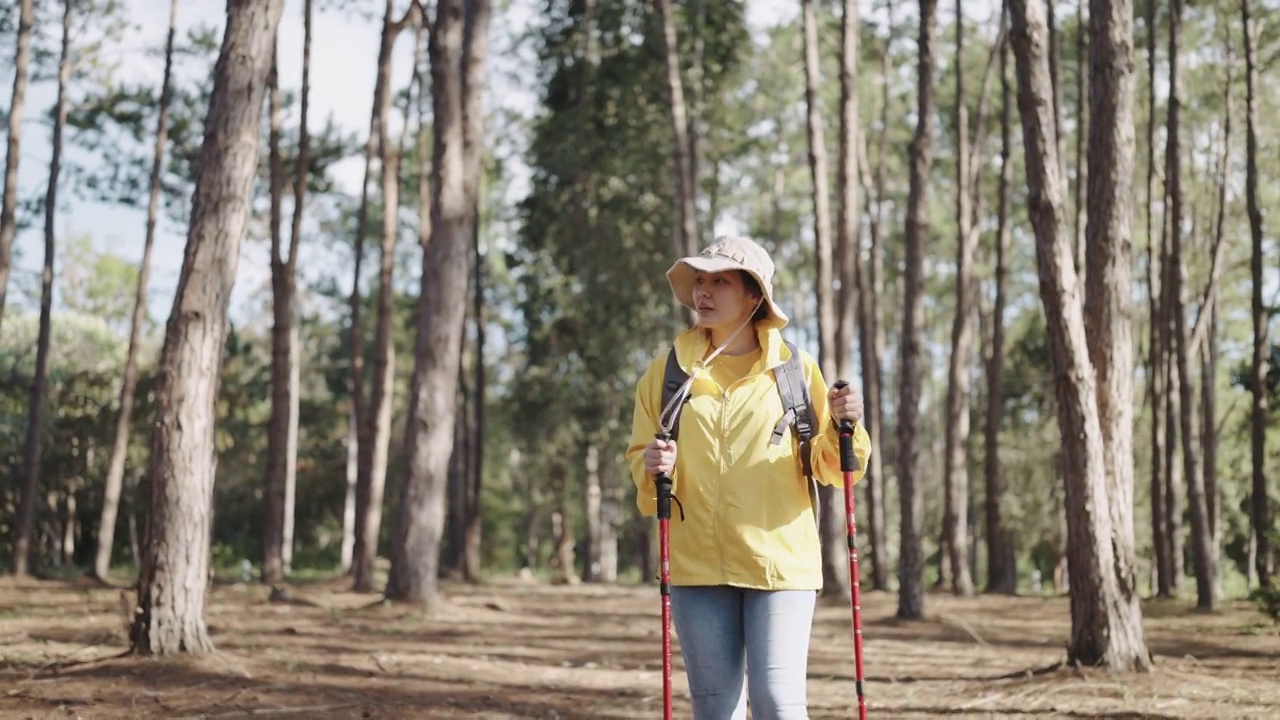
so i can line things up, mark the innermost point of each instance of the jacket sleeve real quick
(825, 444)
(644, 427)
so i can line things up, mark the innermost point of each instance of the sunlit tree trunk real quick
(26, 520)
(175, 563)
(282, 429)
(17, 104)
(1205, 571)
(684, 232)
(955, 519)
(1106, 619)
(872, 336)
(120, 446)
(459, 49)
(376, 438)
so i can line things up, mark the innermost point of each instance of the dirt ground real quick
(526, 650)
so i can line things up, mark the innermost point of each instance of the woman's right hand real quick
(659, 457)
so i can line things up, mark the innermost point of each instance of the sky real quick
(344, 54)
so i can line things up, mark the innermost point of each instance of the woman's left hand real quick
(845, 404)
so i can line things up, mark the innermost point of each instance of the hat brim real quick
(684, 272)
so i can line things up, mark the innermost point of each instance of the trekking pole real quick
(664, 483)
(849, 463)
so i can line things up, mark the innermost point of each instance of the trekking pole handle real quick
(664, 484)
(848, 462)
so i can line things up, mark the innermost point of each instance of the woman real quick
(746, 560)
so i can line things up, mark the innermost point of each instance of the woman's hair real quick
(753, 288)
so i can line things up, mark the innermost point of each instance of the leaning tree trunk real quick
(1082, 161)
(1259, 500)
(1157, 382)
(835, 553)
(120, 446)
(26, 520)
(1201, 553)
(911, 497)
(458, 56)
(1106, 619)
(17, 103)
(684, 232)
(1002, 567)
(175, 563)
(282, 428)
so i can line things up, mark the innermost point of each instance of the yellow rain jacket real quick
(748, 521)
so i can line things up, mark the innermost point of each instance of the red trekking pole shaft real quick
(664, 483)
(849, 463)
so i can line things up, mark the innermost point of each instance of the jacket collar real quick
(694, 344)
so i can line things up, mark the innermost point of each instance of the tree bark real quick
(175, 564)
(955, 519)
(26, 520)
(684, 231)
(848, 255)
(458, 55)
(1106, 619)
(835, 552)
(1259, 500)
(911, 497)
(282, 428)
(375, 441)
(1082, 160)
(120, 445)
(1157, 380)
(17, 104)
(1002, 566)
(1107, 304)
(1201, 553)
(872, 337)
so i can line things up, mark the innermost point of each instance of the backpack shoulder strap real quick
(672, 379)
(796, 406)
(798, 415)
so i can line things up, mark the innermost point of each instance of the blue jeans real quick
(726, 633)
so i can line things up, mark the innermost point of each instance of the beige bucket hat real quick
(727, 253)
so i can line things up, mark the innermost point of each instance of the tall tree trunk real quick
(282, 429)
(1082, 160)
(458, 56)
(1157, 380)
(17, 103)
(175, 565)
(835, 552)
(1205, 571)
(955, 520)
(872, 336)
(1002, 566)
(1106, 619)
(911, 496)
(128, 387)
(1107, 311)
(685, 232)
(1259, 500)
(375, 442)
(26, 521)
(848, 216)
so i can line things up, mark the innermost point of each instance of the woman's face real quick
(721, 300)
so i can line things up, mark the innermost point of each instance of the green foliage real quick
(1267, 600)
